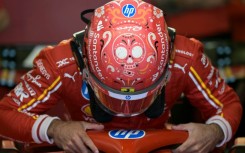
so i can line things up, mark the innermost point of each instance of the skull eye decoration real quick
(137, 52)
(121, 52)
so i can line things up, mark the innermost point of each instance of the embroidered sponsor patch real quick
(86, 110)
(84, 91)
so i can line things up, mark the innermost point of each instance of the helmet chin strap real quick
(157, 107)
(98, 113)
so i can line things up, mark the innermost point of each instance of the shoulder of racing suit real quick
(185, 52)
(60, 56)
(187, 48)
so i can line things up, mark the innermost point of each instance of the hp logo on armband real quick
(128, 10)
(126, 134)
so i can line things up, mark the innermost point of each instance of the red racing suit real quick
(56, 78)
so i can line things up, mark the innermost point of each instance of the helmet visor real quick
(124, 108)
(126, 104)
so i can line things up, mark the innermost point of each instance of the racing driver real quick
(126, 70)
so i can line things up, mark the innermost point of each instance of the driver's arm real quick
(207, 91)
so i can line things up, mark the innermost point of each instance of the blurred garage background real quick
(27, 26)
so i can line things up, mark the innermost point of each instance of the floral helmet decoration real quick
(126, 52)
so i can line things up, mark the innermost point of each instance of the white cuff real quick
(224, 125)
(40, 128)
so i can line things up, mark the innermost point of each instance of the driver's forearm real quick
(219, 132)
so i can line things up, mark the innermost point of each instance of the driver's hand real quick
(71, 136)
(202, 137)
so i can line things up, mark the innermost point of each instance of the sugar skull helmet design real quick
(126, 50)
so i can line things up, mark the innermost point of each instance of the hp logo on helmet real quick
(128, 97)
(126, 134)
(128, 10)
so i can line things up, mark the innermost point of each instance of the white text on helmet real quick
(93, 59)
(130, 28)
(164, 47)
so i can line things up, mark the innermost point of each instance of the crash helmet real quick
(126, 53)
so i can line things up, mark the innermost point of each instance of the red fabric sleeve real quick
(207, 91)
(22, 110)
